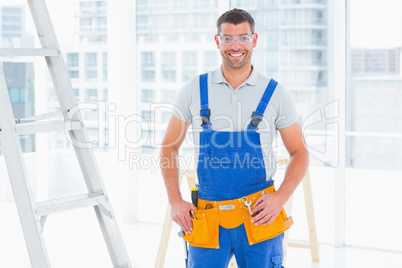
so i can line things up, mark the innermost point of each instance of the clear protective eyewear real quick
(242, 39)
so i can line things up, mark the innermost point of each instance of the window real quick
(168, 95)
(104, 69)
(148, 66)
(210, 60)
(165, 117)
(73, 65)
(169, 66)
(91, 60)
(146, 116)
(73, 74)
(148, 76)
(91, 95)
(91, 63)
(373, 141)
(142, 22)
(105, 95)
(189, 65)
(102, 24)
(147, 96)
(77, 93)
(91, 75)
(72, 60)
(18, 95)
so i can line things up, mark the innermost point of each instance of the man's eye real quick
(227, 38)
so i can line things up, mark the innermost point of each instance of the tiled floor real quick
(74, 240)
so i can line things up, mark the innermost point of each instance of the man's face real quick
(236, 56)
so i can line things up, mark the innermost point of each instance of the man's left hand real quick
(269, 206)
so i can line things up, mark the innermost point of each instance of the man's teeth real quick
(236, 55)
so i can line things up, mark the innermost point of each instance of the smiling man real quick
(235, 113)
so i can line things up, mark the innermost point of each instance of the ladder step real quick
(299, 245)
(36, 127)
(69, 203)
(22, 52)
(39, 117)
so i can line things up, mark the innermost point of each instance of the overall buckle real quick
(205, 116)
(256, 118)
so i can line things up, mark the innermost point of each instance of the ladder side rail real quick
(64, 91)
(19, 181)
(86, 158)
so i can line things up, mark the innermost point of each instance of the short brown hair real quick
(235, 16)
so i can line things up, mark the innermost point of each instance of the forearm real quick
(297, 167)
(170, 173)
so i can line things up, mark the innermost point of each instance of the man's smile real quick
(236, 55)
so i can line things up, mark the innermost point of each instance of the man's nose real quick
(235, 45)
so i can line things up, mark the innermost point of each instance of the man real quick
(239, 111)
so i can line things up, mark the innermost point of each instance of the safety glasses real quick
(242, 39)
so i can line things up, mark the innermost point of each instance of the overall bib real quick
(231, 167)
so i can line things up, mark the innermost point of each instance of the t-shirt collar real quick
(217, 77)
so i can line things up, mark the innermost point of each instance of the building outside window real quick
(72, 62)
(189, 65)
(91, 64)
(169, 66)
(147, 96)
(148, 66)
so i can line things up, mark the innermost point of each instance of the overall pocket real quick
(277, 259)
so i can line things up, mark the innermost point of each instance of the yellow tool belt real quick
(231, 214)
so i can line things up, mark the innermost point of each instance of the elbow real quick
(167, 151)
(302, 155)
(307, 157)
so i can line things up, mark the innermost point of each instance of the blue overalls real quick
(230, 166)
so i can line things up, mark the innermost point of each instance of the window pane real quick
(90, 60)
(91, 63)
(189, 65)
(147, 96)
(72, 59)
(104, 69)
(168, 95)
(148, 66)
(91, 95)
(169, 66)
(374, 140)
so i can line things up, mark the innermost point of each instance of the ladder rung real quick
(39, 117)
(36, 127)
(299, 245)
(22, 52)
(69, 203)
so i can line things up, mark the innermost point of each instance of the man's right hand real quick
(181, 214)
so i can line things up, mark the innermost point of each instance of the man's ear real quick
(217, 41)
(255, 39)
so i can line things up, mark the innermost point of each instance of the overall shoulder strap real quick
(205, 111)
(258, 114)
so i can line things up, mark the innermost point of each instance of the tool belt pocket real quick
(205, 229)
(259, 233)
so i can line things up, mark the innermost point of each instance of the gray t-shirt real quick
(231, 109)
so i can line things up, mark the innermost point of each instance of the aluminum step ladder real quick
(33, 214)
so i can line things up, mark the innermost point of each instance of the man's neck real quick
(235, 77)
